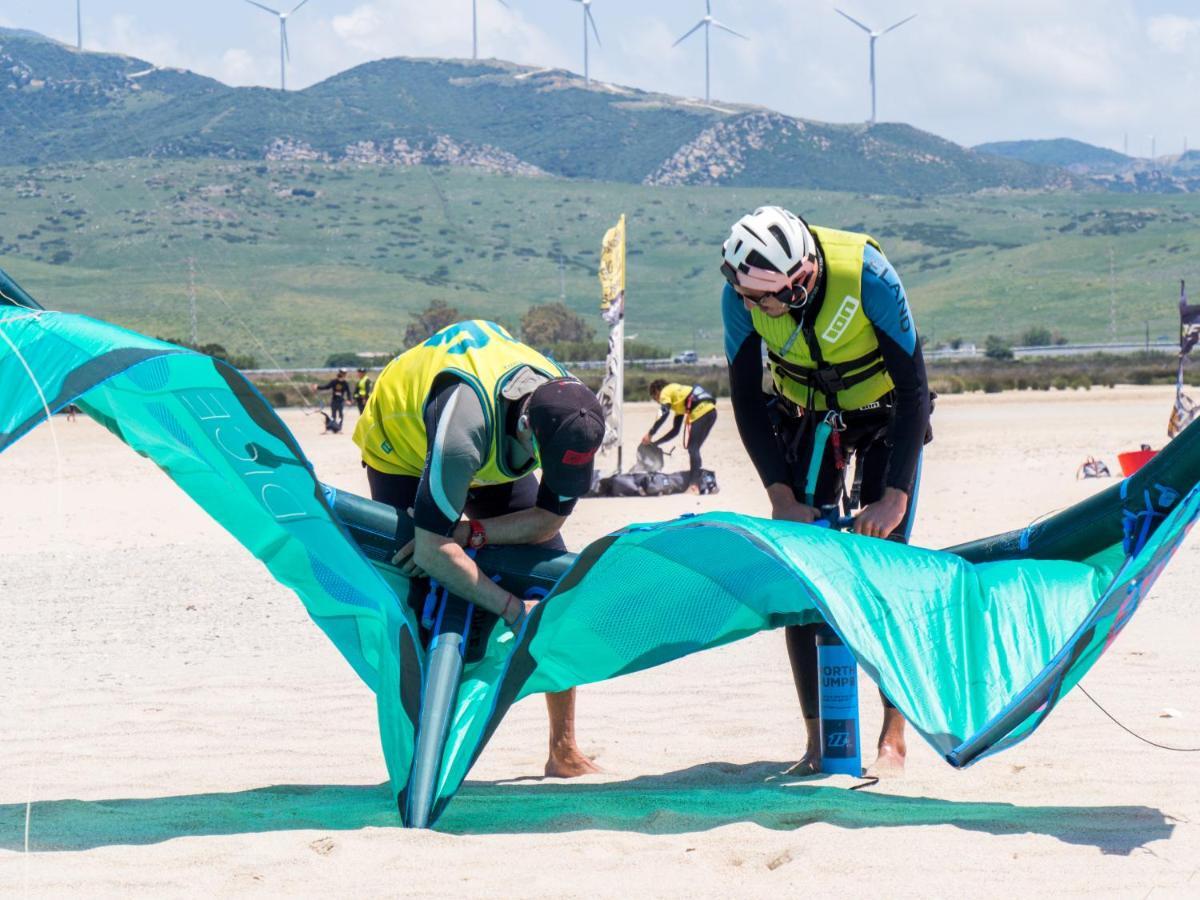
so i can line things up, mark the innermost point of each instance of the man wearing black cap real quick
(458, 425)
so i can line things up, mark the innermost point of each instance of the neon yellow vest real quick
(363, 388)
(676, 396)
(843, 334)
(391, 430)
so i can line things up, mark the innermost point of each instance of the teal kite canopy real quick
(975, 644)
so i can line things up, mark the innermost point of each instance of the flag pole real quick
(612, 310)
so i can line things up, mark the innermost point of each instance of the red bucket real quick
(1133, 460)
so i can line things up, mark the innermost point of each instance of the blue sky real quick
(971, 70)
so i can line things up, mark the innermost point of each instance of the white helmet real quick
(772, 250)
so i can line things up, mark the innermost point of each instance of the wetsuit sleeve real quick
(326, 386)
(663, 412)
(552, 503)
(456, 431)
(743, 350)
(886, 305)
(670, 435)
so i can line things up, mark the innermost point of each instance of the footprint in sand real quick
(322, 846)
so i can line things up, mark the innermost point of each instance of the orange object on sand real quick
(1132, 460)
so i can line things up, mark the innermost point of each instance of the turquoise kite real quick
(975, 644)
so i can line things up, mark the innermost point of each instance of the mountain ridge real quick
(1113, 171)
(58, 104)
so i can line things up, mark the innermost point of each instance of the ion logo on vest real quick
(841, 319)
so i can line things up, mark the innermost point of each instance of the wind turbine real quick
(874, 36)
(708, 23)
(285, 55)
(587, 18)
(475, 27)
(78, 25)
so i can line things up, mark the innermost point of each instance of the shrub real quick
(997, 348)
(1037, 336)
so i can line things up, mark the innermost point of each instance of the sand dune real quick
(173, 724)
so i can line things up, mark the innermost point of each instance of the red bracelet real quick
(478, 535)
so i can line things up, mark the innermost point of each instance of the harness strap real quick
(831, 377)
(842, 368)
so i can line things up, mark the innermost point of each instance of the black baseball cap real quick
(568, 424)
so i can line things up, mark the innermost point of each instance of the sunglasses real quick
(794, 296)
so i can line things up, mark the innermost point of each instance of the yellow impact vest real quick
(853, 374)
(676, 396)
(363, 388)
(391, 430)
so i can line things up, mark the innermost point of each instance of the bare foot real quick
(809, 765)
(889, 763)
(570, 763)
(693, 489)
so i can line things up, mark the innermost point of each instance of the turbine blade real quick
(716, 24)
(588, 10)
(297, 6)
(852, 19)
(698, 26)
(287, 50)
(274, 12)
(898, 24)
(505, 5)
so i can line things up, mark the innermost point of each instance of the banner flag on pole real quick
(612, 309)
(1185, 408)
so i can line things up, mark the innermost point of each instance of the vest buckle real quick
(828, 381)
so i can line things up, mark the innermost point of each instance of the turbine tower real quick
(587, 19)
(285, 55)
(475, 27)
(708, 23)
(874, 36)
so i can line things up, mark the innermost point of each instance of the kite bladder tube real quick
(443, 673)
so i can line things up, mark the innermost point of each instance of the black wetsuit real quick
(456, 427)
(885, 440)
(697, 434)
(339, 389)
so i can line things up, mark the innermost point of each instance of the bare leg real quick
(890, 761)
(802, 653)
(566, 759)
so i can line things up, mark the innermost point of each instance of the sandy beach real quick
(173, 724)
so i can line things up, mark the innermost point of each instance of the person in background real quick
(362, 390)
(695, 412)
(339, 393)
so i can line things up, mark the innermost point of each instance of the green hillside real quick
(1062, 152)
(298, 260)
(59, 105)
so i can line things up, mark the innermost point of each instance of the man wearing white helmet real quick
(848, 384)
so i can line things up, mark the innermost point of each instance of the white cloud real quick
(413, 28)
(1172, 33)
(124, 34)
(239, 67)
